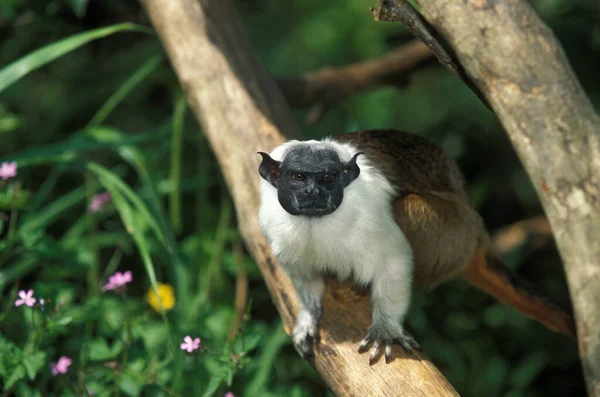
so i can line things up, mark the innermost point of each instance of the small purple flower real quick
(189, 344)
(98, 201)
(8, 170)
(26, 298)
(117, 280)
(61, 366)
(229, 394)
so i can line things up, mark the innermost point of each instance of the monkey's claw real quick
(305, 333)
(381, 337)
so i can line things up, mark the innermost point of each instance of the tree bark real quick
(241, 112)
(517, 63)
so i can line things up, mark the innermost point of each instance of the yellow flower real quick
(167, 297)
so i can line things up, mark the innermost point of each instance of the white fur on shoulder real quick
(359, 240)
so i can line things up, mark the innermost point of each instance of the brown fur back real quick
(432, 208)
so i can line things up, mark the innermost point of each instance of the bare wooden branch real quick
(402, 11)
(513, 236)
(329, 85)
(522, 70)
(241, 112)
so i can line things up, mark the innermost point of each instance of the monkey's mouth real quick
(313, 205)
(315, 208)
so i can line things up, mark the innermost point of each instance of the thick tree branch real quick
(402, 11)
(329, 85)
(517, 63)
(241, 112)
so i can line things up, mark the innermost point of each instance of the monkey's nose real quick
(313, 191)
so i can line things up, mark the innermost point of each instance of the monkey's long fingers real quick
(388, 353)
(408, 344)
(375, 352)
(364, 344)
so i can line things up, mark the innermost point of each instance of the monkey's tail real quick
(491, 275)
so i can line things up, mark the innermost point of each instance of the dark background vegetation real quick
(482, 347)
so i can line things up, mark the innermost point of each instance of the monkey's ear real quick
(351, 170)
(269, 169)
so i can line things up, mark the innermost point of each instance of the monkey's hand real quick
(386, 334)
(306, 331)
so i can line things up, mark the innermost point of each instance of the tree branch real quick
(402, 11)
(517, 63)
(329, 85)
(511, 237)
(241, 112)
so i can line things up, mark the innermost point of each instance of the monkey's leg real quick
(390, 296)
(449, 240)
(309, 291)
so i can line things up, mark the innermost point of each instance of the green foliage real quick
(88, 108)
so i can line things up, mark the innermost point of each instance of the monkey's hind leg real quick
(489, 274)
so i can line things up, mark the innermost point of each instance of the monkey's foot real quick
(305, 333)
(386, 336)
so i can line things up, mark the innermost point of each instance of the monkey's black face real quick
(310, 181)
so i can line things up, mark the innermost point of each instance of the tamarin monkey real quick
(384, 208)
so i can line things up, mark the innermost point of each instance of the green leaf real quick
(33, 363)
(17, 374)
(38, 58)
(99, 350)
(130, 385)
(153, 335)
(214, 383)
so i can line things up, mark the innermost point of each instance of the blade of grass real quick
(44, 191)
(265, 362)
(81, 142)
(17, 270)
(33, 222)
(133, 223)
(176, 159)
(38, 58)
(125, 89)
(136, 159)
(112, 179)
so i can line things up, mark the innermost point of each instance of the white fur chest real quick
(356, 240)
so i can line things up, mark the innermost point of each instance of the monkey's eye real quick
(300, 177)
(328, 177)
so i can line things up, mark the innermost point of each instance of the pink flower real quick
(189, 344)
(8, 170)
(26, 298)
(61, 366)
(229, 394)
(117, 280)
(98, 201)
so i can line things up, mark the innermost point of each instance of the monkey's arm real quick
(309, 291)
(390, 297)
